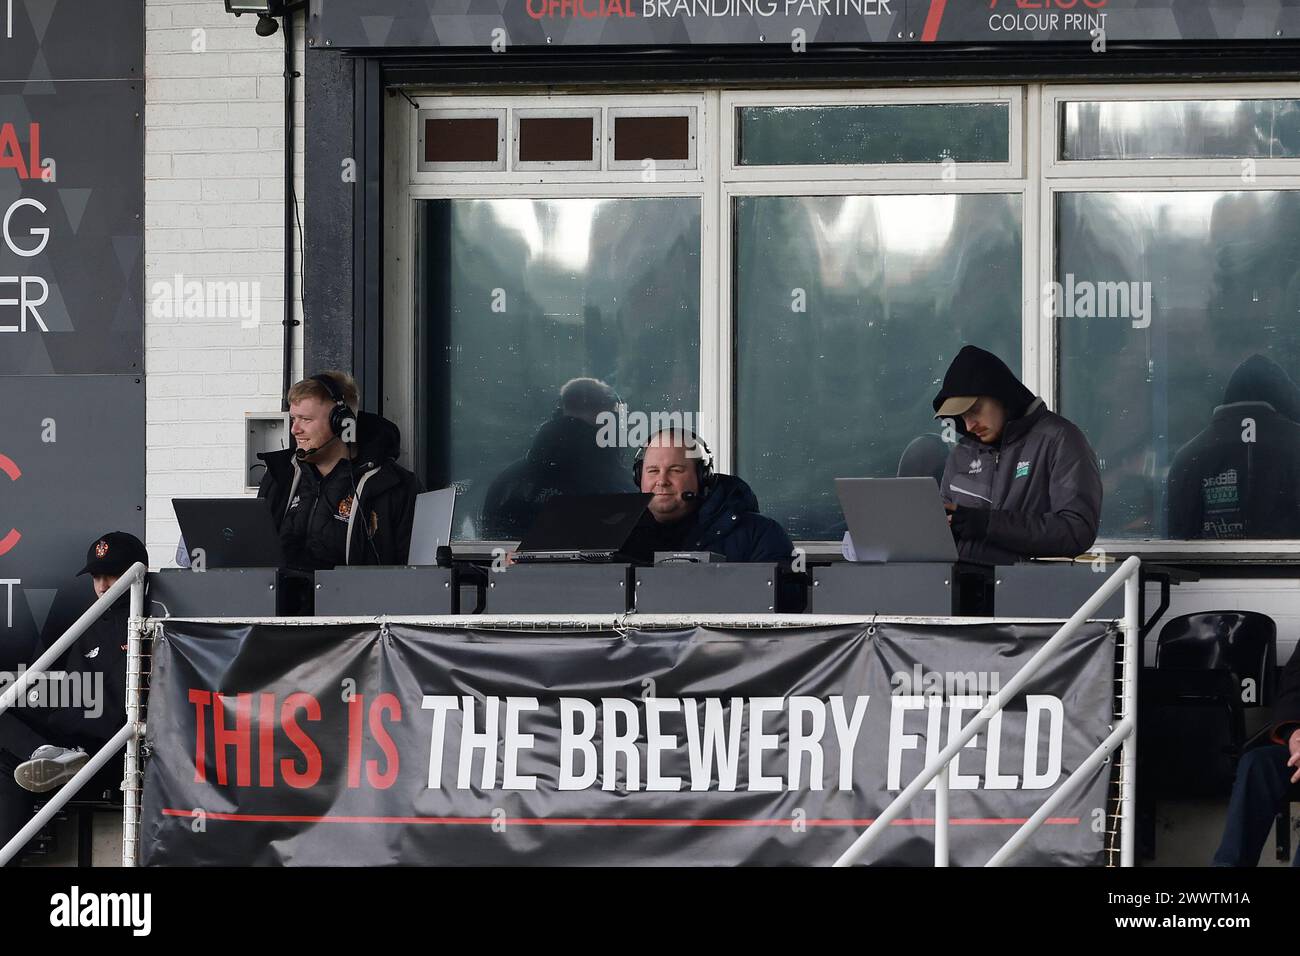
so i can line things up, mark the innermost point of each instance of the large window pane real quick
(848, 311)
(1181, 129)
(904, 133)
(1224, 285)
(517, 297)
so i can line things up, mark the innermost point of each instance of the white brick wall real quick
(214, 186)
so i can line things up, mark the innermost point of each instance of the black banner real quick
(501, 24)
(364, 745)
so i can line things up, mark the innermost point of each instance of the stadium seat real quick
(1209, 668)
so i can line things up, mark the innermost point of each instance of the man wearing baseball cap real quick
(60, 740)
(1022, 482)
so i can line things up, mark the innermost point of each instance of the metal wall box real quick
(929, 589)
(1054, 589)
(560, 589)
(706, 589)
(216, 592)
(372, 591)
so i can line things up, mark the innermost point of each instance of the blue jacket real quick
(729, 524)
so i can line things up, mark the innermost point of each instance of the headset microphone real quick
(689, 496)
(304, 454)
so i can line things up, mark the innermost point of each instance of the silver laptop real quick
(896, 519)
(431, 528)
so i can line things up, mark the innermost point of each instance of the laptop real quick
(896, 519)
(232, 532)
(431, 528)
(583, 528)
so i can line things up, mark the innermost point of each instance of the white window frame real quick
(407, 184)
(1012, 96)
(692, 161)
(457, 113)
(518, 115)
(1158, 175)
(1053, 96)
(874, 180)
(1034, 171)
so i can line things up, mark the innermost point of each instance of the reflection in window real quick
(848, 310)
(910, 133)
(1171, 401)
(1181, 129)
(517, 298)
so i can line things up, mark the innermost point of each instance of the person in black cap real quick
(1022, 482)
(60, 739)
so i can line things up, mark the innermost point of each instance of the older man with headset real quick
(339, 497)
(695, 509)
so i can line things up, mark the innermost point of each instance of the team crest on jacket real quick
(345, 507)
(976, 467)
(101, 548)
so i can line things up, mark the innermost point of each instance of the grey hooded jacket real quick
(1040, 480)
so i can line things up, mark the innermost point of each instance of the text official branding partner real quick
(76, 909)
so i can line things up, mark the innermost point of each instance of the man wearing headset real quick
(694, 509)
(338, 496)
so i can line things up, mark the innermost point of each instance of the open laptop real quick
(233, 532)
(583, 528)
(896, 519)
(431, 528)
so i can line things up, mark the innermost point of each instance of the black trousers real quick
(18, 738)
(1259, 793)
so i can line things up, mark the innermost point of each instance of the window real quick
(848, 310)
(519, 297)
(1167, 300)
(798, 268)
(1180, 129)
(461, 140)
(872, 134)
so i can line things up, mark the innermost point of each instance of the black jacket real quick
(97, 661)
(320, 524)
(728, 523)
(1040, 482)
(564, 459)
(1222, 485)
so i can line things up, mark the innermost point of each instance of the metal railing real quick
(128, 734)
(1127, 575)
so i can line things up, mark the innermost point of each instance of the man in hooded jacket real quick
(338, 496)
(1022, 482)
(1238, 477)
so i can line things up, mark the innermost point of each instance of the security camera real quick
(265, 10)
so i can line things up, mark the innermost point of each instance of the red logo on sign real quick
(11, 151)
(9, 541)
(583, 9)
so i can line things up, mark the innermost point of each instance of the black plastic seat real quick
(1209, 668)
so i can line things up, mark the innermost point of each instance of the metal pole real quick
(65, 793)
(1008, 693)
(941, 818)
(60, 647)
(131, 765)
(1128, 758)
(1123, 732)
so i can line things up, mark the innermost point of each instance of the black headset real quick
(340, 414)
(703, 463)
